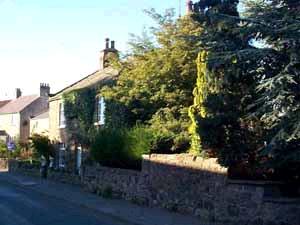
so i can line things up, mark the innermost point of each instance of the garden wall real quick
(189, 185)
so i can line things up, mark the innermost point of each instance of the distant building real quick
(15, 115)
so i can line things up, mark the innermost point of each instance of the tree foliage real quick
(223, 130)
(252, 115)
(197, 111)
(276, 25)
(156, 80)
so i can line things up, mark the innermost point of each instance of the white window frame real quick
(14, 119)
(100, 111)
(62, 118)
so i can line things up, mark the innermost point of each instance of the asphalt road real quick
(22, 206)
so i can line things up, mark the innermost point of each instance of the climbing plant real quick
(79, 106)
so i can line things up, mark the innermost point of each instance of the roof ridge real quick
(18, 104)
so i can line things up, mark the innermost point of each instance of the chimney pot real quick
(44, 90)
(18, 93)
(113, 44)
(106, 43)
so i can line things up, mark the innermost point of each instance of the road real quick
(22, 206)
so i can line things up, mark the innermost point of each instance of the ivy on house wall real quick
(79, 108)
(117, 115)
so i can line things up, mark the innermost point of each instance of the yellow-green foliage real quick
(157, 79)
(197, 109)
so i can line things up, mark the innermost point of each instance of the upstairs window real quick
(62, 119)
(14, 119)
(100, 111)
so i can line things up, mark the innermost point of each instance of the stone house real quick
(58, 134)
(15, 115)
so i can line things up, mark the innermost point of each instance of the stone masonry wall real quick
(189, 185)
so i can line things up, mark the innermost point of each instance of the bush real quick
(139, 141)
(5, 153)
(121, 148)
(42, 146)
(3, 150)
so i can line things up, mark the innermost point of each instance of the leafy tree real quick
(156, 80)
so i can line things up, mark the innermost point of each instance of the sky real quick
(58, 41)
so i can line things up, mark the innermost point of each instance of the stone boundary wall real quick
(34, 171)
(3, 164)
(188, 185)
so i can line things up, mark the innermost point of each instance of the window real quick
(100, 111)
(14, 119)
(62, 119)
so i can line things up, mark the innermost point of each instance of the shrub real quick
(42, 146)
(5, 153)
(3, 150)
(121, 148)
(139, 141)
(107, 148)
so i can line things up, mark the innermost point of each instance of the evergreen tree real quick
(275, 25)
(197, 110)
(224, 131)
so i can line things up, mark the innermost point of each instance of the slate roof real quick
(3, 103)
(91, 80)
(43, 115)
(17, 105)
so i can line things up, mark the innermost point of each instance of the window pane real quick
(62, 119)
(102, 111)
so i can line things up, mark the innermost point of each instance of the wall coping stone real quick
(253, 182)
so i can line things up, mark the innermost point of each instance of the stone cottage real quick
(57, 127)
(15, 115)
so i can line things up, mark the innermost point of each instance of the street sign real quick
(11, 146)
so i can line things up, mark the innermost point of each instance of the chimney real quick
(107, 43)
(18, 93)
(107, 53)
(112, 46)
(44, 90)
(189, 6)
